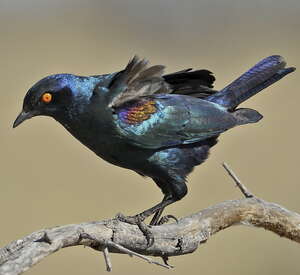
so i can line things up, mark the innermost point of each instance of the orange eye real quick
(46, 97)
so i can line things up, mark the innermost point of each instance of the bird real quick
(159, 125)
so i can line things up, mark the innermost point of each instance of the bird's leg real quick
(156, 218)
(173, 190)
(139, 218)
(176, 191)
(145, 214)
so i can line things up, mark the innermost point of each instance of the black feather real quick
(194, 83)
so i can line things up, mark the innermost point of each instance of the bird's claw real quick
(139, 221)
(147, 233)
(166, 218)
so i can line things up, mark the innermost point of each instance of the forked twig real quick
(132, 253)
(120, 248)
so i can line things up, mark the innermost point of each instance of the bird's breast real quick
(101, 137)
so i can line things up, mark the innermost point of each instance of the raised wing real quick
(167, 120)
(137, 80)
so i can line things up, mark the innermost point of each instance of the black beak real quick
(22, 117)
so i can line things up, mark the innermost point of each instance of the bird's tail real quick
(260, 76)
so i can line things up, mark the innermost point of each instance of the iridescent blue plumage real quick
(158, 126)
(178, 119)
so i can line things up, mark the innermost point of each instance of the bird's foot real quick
(165, 219)
(139, 221)
(130, 219)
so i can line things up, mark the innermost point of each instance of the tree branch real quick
(114, 236)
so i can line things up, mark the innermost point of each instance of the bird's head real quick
(55, 96)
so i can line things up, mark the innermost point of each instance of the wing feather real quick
(168, 120)
(137, 80)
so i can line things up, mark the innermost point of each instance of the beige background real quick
(49, 178)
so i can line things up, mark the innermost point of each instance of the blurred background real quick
(48, 178)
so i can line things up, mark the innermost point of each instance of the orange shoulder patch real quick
(139, 112)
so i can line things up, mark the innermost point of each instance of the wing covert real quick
(169, 120)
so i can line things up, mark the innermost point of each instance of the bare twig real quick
(132, 253)
(238, 183)
(107, 259)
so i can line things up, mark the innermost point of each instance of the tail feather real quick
(280, 74)
(260, 76)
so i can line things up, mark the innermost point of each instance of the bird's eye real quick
(46, 97)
